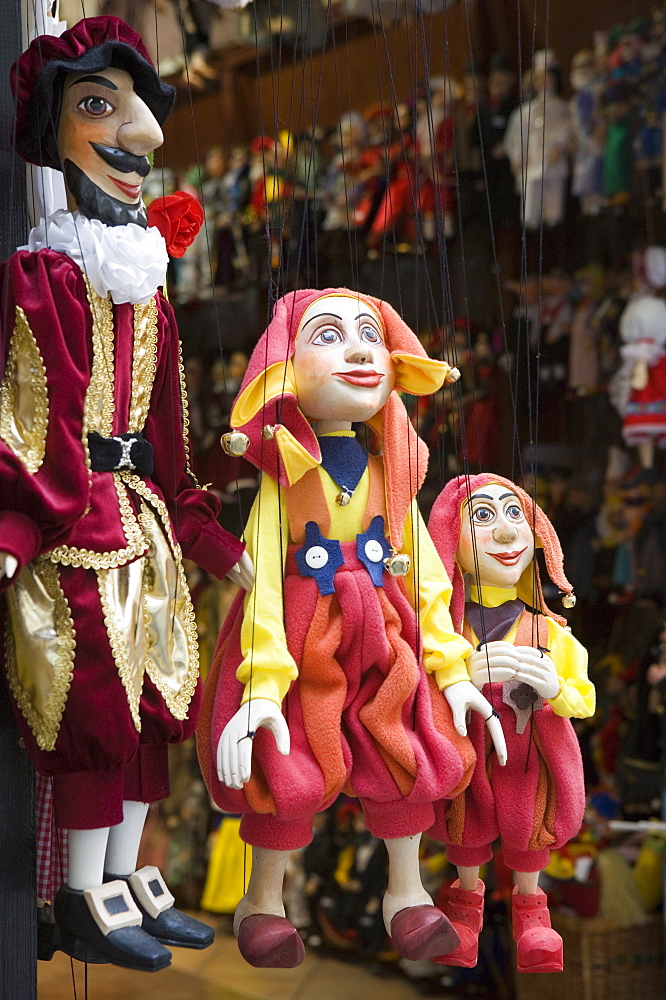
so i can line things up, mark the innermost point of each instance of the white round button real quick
(374, 551)
(316, 557)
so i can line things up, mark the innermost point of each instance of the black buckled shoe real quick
(160, 917)
(104, 925)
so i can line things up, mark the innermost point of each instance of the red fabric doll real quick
(344, 647)
(534, 672)
(98, 502)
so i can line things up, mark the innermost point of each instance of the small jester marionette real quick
(329, 675)
(534, 673)
(97, 497)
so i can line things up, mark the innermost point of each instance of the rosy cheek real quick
(74, 137)
(526, 539)
(466, 550)
(315, 367)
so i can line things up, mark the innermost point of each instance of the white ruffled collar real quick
(126, 261)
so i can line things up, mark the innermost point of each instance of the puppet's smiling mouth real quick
(506, 558)
(368, 378)
(130, 190)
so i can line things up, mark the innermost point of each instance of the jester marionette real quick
(534, 672)
(329, 675)
(97, 496)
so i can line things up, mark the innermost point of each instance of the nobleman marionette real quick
(98, 503)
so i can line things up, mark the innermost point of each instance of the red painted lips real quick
(364, 377)
(130, 190)
(506, 558)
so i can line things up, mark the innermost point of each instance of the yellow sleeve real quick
(577, 695)
(268, 668)
(444, 652)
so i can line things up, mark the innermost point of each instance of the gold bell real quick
(569, 600)
(344, 498)
(268, 432)
(235, 443)
(453, 375)
(398, 564)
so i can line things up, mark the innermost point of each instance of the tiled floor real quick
(219, 973)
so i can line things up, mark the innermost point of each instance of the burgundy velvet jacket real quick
(57, 504)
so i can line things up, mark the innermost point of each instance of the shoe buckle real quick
(151, 891)
(112, 907)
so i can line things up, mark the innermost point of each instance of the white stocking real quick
(124, 839)
(86, 857)
(404, 884)
(264, 891)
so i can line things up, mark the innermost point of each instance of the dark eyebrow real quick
(369, 315)
(319, 316)
(101, 80)
(505, 495)
(480, 496)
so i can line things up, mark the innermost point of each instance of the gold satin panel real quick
(24, 404)
(39, 645)
(173, 653)
(121, 594)
(150, 623)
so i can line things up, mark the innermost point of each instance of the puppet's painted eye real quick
(370, 335)
(515, 512)
(483, 515)
(96, 106)
(327, 337)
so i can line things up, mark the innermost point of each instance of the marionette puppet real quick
(98, 500)
(537, 141)
(534, 673)
(643, 351)
(588, 128)
(329, 676)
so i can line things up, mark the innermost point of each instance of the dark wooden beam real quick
(18, 928)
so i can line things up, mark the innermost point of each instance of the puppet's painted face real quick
(496, 542)
(342, 367)
(105, 132)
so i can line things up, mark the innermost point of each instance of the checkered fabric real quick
(52, 851)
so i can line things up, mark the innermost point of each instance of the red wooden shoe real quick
(270, 942)
(423, 932)
(538, 946)
(465, 911)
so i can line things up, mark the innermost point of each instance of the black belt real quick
(121, 453)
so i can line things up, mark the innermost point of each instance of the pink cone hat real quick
(273, 402)
(445, 524)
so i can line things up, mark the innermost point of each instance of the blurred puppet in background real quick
(643, 351)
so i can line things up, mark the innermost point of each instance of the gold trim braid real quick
(24, 403)
(100, 404)
(136, 543)
(186, 416)
(144, 362)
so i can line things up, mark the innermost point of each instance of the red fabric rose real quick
(179, 218)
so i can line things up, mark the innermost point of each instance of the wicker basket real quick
(602, 962)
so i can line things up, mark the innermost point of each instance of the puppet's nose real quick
(361, 354)
(141, 133)
(504, 532)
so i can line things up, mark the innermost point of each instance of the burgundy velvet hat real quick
(90, 46)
